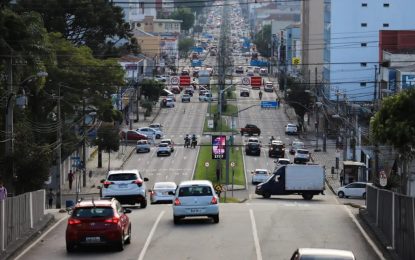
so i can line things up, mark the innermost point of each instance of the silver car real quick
(322, 253)
(160, 192)
(195, 198)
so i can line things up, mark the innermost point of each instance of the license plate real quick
(122, 186)
(195, 210)
(92, 239)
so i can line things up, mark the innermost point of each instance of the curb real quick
(19, 244)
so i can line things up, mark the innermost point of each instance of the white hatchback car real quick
(291, 129)
(260, 175)
(354, 189)
(195, 198)
(160, 192)
(127, 186)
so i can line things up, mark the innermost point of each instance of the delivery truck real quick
(306, 180)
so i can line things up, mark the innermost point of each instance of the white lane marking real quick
(365, 235)
(255, 234)
(175, 154)
(150, 236)
(40, 238)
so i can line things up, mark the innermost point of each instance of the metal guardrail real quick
(18, 215)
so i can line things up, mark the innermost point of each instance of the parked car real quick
(244, 93)
(163, 149)
(185, 98)
(259, 175)
(195, 198)
(296, 145)
(142, 146)
(160, 192)
(98, 222)
(150, 132)
(132, 135)
(169, 142)
(322, 253)
(291, 129)
(301, 156)
(354, 189)
(127, 186)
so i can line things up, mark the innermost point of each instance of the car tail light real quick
(152, 192)
(73, 221)
(177, 202)
(107, 183)
(138, 182)
(214, 200)
(113, 220)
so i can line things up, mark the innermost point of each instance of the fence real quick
(394, 215)
(18, 215)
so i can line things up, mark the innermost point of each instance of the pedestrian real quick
(50, 195)
(70, 179)
(341, 180)
(3, 191)
(90, 174)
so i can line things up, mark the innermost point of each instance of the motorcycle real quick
(260, 95)
(194, 144)
(186, 143)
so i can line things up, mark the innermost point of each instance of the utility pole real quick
(83, 172)
(9, 144)
(375, 89)
(316, 110)
(59, 154)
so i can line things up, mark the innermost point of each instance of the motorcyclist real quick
(186, 140)
(271, 139)
(260, 94)
(194, 141)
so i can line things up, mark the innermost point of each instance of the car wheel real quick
(216, 218)
(340, 194)
(70, 247)
(128, 240)
(158, 136)
(176, 220)
(148, 150)
(143, 204)
(364, 195)
(158, 155)
(138, 151)
(119, 246)
(307, 196)
(266, 195)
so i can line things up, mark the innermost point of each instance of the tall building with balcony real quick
(136, 10)
(351, 36)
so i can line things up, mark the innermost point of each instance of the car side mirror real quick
(102, 180)
(171, 193)
(126, 211)
(145, 179)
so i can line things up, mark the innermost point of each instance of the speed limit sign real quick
(174, 80)
(246, 81)
(206, 164)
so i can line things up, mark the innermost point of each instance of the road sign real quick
(268, 104)
(232, 164)
(383, 179)
(184, 80)
(206, 164)
(296, 60)
(256, 81)
(246, 81)
(210, 124)
(174, 80)
(219, 188)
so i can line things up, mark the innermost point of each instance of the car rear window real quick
(93, 212)
(165, 185)
(122, 177)
(261, 172)
(302, 151)
(195, 191)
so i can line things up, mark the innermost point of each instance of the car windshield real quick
(122, 177)
(93, 212)
(195, 191)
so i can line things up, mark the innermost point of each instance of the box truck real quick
(306, 180)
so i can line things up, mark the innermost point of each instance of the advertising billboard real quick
(218, 147)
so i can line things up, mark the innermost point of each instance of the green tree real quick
(298, 99)
(394, 124)
(186, 15)
(97, 24)
(185, 44)
(262, 41)
(107, 140)
(195, 5)
(151, 89)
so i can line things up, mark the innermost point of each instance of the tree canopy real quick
(394, 123)
(262, 41)
(186, 15)
(185, 44)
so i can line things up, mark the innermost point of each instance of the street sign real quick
(206, 164)
(383, 179)
(174, 80)
(184, 80)
(246, 81)
(256, 81)
(232, 164)
(268, 104)
(210, 124)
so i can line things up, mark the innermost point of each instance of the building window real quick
(386, 5)
(385, 25)
(363, 44)
(363, 64)
(363, 24)
(364, 4)
(363, 84)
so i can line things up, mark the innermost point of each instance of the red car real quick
(98, 222)
(132, 135)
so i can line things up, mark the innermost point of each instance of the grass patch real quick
(222, 126)
(228, 199)
(205, 155)
(230, 109)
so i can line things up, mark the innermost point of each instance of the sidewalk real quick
(113, 161)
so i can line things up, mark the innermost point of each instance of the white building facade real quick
(351, 37)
